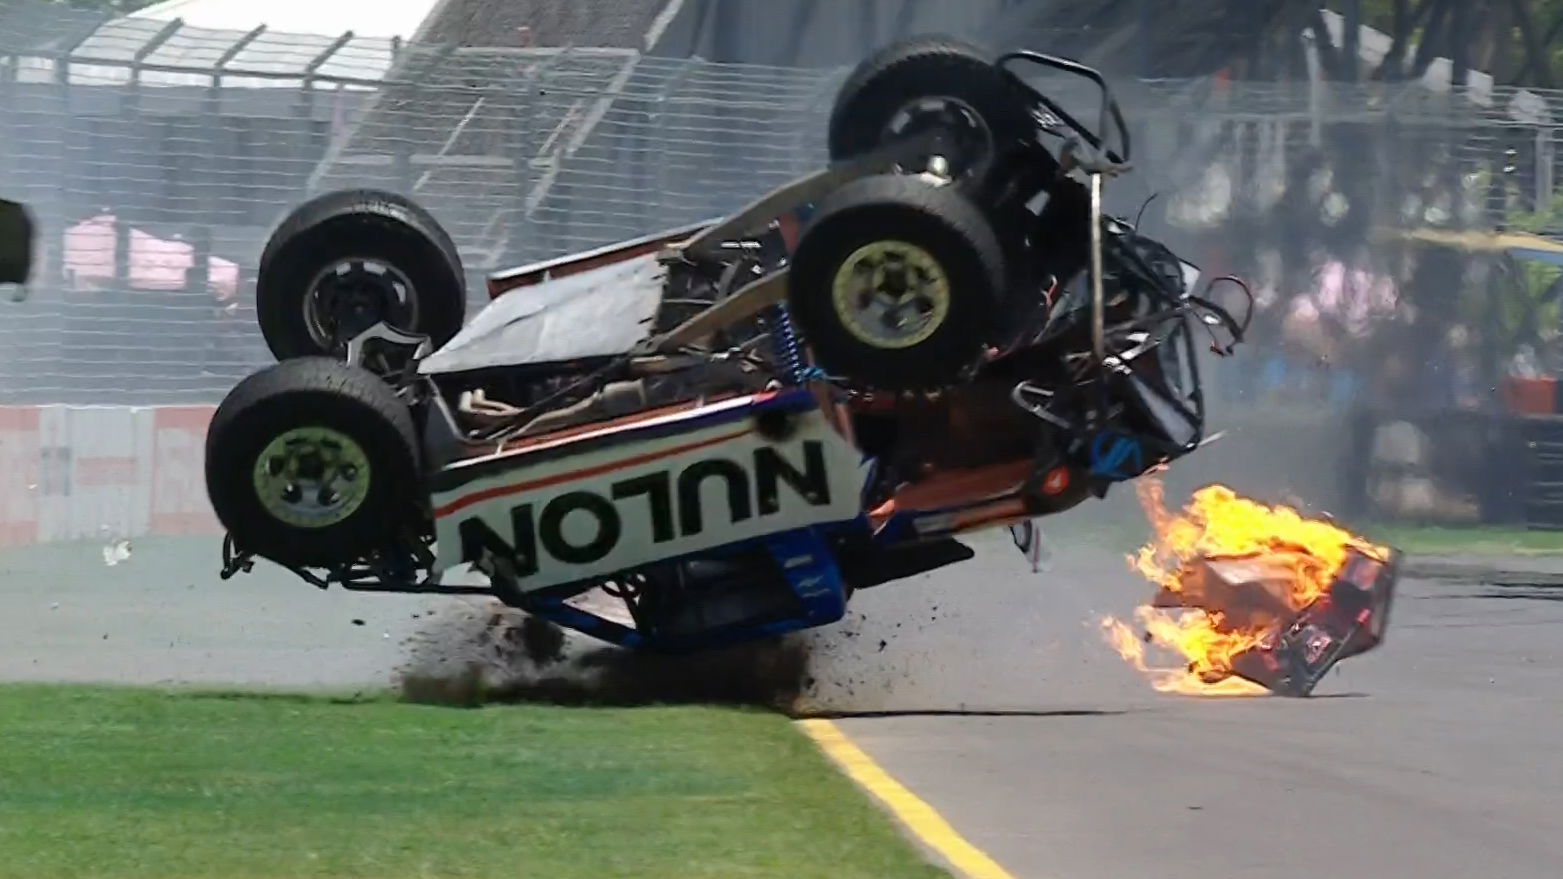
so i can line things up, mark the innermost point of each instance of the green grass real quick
(1466, 540)
(138, 783)
(1125, 535)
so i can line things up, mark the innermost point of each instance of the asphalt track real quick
(164, 616)
(1434, 757)
(1437, 756)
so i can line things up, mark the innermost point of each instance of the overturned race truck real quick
(726, 429)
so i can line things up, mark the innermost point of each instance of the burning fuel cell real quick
(1295, 646)
(1254, 597)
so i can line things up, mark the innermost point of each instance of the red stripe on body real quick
(505, 490)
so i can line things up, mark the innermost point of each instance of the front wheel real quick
(313, 463)
(897, 284)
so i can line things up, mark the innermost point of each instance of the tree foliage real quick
(1518, 42)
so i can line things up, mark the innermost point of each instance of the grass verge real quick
(112, 783)
(1125, 535)
(1467, 540)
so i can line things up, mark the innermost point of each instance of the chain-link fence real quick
(159, 157)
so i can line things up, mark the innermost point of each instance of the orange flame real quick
(1301, 557)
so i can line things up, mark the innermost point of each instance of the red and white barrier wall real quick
(83, 472)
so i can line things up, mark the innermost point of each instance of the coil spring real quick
(787, 348)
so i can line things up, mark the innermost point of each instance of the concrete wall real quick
(102, 472)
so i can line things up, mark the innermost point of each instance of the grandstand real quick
(535, 128)
(532, 128)
(621, 24)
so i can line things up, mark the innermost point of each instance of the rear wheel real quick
(897, 284)
(926, 83)
(312, 462)
(347, 260)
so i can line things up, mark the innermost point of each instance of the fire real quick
(1297, 558)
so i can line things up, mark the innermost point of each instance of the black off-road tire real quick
(943, 223)
(923, 67)
(313, 392)
(367, 224)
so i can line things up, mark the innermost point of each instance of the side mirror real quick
(17, 237)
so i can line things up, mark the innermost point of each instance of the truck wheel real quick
(342, 262)
(312, 462)
(926, 82)
(897, 284)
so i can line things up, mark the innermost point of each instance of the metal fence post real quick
(314, 141)
(402, 170)
(8, 124)
(1145, 30)
(207, 169)
(128, 209)
(1352, 39)
(133, 118)
(659, 128)
(1546, 157)
(52, 272)
(533, 81)
(816, 114)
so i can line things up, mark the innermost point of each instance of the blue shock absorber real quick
(789, 349)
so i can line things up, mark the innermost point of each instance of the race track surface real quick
(164, 616)
(1436, 756)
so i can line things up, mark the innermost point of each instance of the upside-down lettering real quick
(659, 509)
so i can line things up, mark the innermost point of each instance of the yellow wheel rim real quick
(891, 294)
(312, 477)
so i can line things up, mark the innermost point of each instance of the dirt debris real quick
(481, 652)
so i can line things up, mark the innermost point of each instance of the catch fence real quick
(158, 157)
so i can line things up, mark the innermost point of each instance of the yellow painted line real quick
(920, 818)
